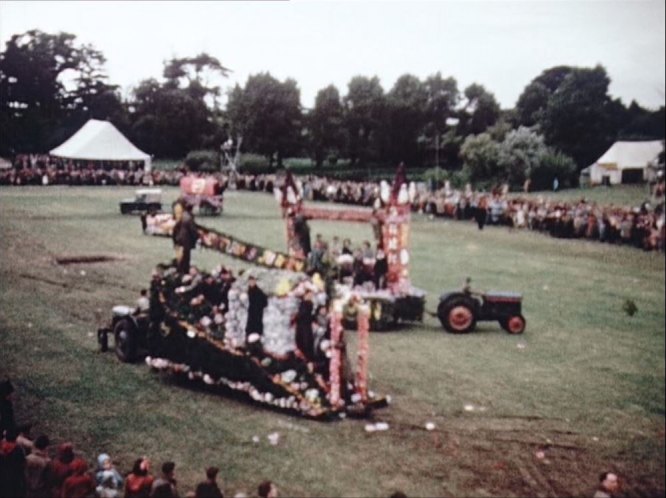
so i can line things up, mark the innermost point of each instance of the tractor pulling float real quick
(185, 332)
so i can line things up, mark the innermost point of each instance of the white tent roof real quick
(630, 155)
(100, 141)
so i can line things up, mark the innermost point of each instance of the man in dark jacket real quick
(209, 487)
(12, 467)
(184, 235)
(255, 313)
(7, 421)
(304, 335)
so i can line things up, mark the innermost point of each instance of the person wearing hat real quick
(109, 481)
(209, 487)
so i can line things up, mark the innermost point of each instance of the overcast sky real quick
(501, 45)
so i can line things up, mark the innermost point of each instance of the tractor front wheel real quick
(514, 324)
(457, 315)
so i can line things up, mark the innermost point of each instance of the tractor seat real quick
(122, 310)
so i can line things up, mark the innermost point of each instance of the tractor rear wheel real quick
(457, 315)
(514, 324)
(125, 340)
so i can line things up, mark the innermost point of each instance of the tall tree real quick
(267, 115)
(533, 101)
(325, 124)
(581, 119)
(365, 111)
(198, 75)
(442, 99)
(168, 122)
(180, 114)
(406, 118)
(481, 110)
(35, 104)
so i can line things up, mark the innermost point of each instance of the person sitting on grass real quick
(608, 485)
(109, 480)
(139, 482)
(209, 487)
(80, 484)
(38, 469)
(267, 490)
(61, 467)
(165, 485)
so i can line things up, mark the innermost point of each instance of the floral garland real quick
(335, 365)
(363, 334)
(251, 253)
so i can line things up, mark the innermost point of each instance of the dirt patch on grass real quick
(86, 259)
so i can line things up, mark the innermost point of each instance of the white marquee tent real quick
(625, 161)
(101, 141)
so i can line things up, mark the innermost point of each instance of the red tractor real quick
(458, 311)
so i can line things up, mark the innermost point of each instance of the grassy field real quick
(584, 384)
(620, 195)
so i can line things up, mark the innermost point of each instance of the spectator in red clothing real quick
(61, 468)
(139, 481)
(209, 487)
(80, 484)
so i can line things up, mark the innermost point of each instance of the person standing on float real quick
(257, 300)
(184, 236)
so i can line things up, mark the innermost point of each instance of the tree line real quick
(564, 119)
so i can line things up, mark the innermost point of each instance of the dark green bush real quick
(203, 160)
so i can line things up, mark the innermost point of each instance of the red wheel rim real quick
(460, 317)
(516, 325)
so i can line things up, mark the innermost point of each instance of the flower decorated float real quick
(195, 327)
(397, 299)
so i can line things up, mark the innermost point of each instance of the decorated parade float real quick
(203, 194)
(396, 299)
(194, 324)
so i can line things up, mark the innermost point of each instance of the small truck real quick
(145, 200)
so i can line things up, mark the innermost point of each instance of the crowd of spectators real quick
(640, 226)
(31, 468)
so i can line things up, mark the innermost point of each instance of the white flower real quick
(273, 438)
(288, 376)
(430, 426)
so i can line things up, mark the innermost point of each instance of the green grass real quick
(585, 381)
(620, 195)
